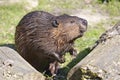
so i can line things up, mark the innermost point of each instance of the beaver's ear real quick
(55, 23)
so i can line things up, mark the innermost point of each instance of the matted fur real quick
(37, 39)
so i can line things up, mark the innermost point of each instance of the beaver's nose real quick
(83, 25)
(84, 22)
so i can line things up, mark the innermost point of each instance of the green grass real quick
(51, 5)
(9, 18)
(113, 7)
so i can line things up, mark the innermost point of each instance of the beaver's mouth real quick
(71, 41)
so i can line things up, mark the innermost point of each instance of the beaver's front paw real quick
(73, 52)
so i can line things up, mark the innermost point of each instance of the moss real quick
(88, 75)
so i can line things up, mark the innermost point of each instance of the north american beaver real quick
(42, 38)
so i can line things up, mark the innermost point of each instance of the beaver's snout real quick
(84, 22)
(83, 26)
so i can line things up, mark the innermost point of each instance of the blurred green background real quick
(101, 15)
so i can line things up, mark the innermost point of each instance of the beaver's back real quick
(33, 28)
(33, 38)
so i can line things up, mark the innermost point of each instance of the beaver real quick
(43, 39)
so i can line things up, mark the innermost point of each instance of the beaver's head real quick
(66, 30)
(71, 26)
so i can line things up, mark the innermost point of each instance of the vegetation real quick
(10, 15)
(112, 7)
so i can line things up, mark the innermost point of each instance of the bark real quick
(103, 62)
(14, 67)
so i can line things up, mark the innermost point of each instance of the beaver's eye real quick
(55, 23)
(72, 21)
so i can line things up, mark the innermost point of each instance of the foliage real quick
(9, 18)
(112, 7)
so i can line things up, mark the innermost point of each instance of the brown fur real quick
(42, 38)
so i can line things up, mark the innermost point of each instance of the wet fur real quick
(41, 43)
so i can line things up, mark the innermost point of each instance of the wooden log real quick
(103, 62)
(14, 67)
